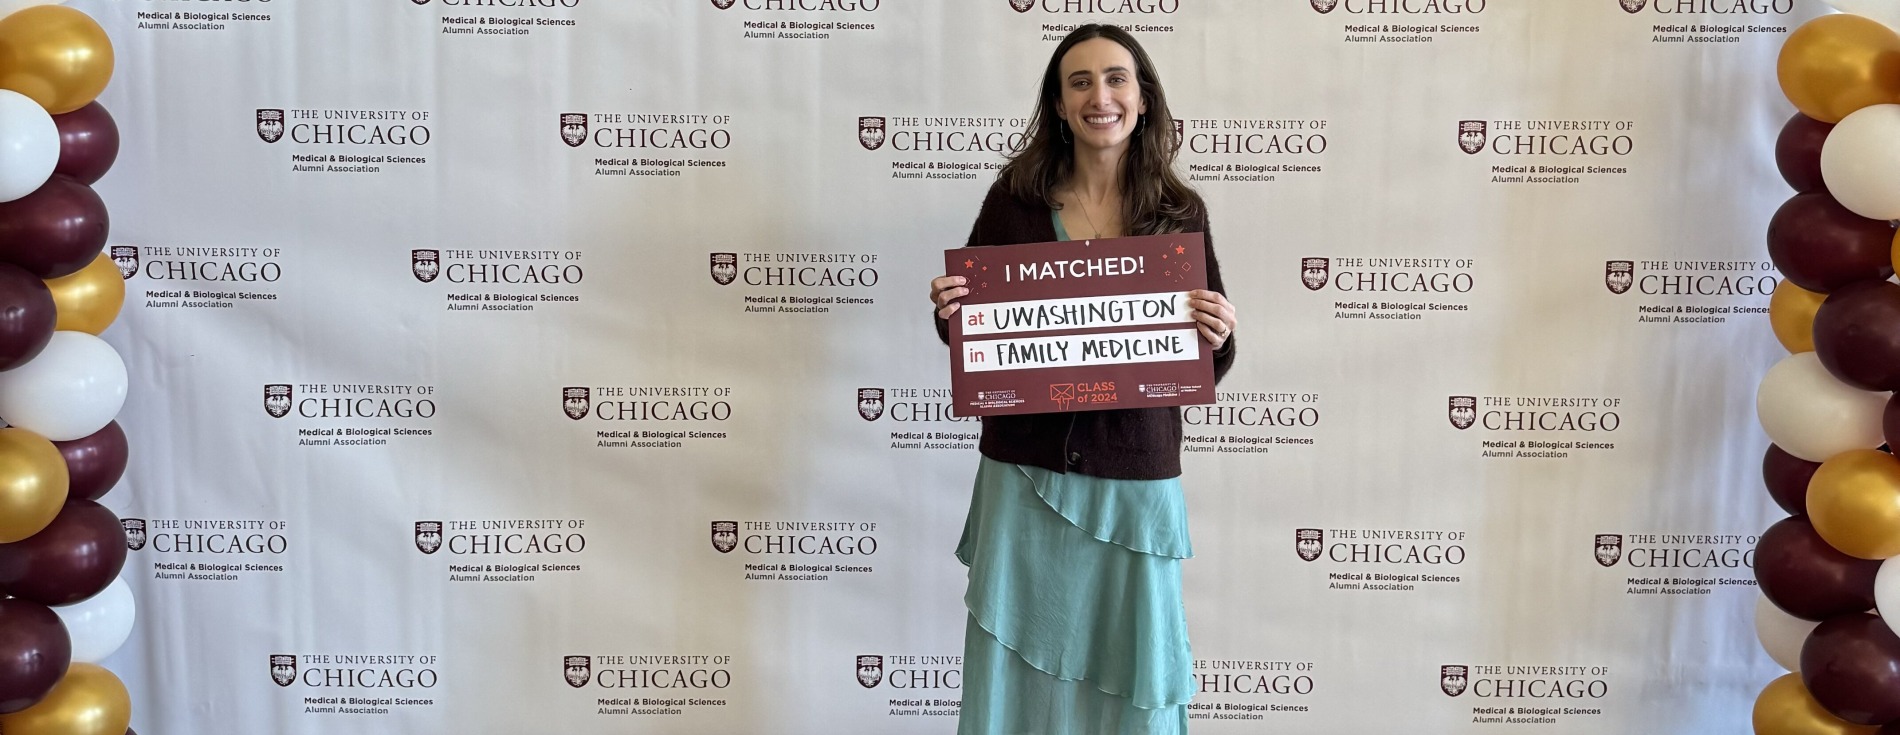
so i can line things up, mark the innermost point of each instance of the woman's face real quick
(1101, 98)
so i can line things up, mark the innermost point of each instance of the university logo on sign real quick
(723, 4)
(1633, 6)
(426, 264)
(725, 536)
(575, 402)
(1619, 275)
(871, 132)
(1325, 6)
(1452, 680)
(1314, 272)
(870, 403)
(574, 128)
(577, 670)
(283, 669)
(1609, 549)
(1309, 542)
(725, 268)
(1464, 411)
(270, 125)
(1471, 135)
(126, 257)
(1022, 6)
(277, 400)
(428, 536)
(134, 532)
(1180, 132)
(870, 671)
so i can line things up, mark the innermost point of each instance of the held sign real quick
(1083, 325)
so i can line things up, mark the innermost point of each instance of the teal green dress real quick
(1075, 622)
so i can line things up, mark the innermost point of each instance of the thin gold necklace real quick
(1085, 213)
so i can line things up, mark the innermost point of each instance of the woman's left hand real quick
(1214, 316)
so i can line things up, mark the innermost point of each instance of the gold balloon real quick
(1790, 312)
(56, 55)
(1854, 503)
(33, 484)
(1836, 64)
(88, 301)
(88, 701)
(1784, 708)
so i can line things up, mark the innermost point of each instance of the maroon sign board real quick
(1082, 325)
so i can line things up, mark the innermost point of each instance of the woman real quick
(1077, 524)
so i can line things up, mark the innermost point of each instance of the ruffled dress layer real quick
(1076, 623)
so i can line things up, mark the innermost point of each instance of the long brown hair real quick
(1154, 199)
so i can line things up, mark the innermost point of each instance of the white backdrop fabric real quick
(564, 365)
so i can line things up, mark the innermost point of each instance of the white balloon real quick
(1803, 409)
(1885, 11)
(1859, 159)
(101, 623)
(29, 145)
(1780, 633)
(72, 389)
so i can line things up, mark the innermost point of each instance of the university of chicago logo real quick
(134, 532)
(1180, 132)
(277, 400)
(1619, 275)
(725, 268)
(725, 536)
(870, 403)
(1309, 542)
(575, 402)
(1022, 6)
(870, 671)
(1314, 272)
(574, 128)
(1452, 680)
(577, 670)
(723, 4)
(426, 264)
(270, 125)
(1609, 548)
(283, 669)
(127, 258)
(1471, 135)
(1464, 411)
(871, 132)
(428, 536)
(1633, 6)
(1325, 6)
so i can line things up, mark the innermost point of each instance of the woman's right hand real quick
(944, 292)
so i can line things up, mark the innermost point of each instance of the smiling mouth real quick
(1101, 119)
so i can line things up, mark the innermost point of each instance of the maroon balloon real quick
(1851, 665)
(27, 316)
(1857, 335)
(54, 231)
(89, 143)
(94, 462)
(71, 560)
(35, 650)
(1806, 577)
(1821, 246)
(1797, 152)
(1787, 478)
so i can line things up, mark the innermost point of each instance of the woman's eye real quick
(1117, 80)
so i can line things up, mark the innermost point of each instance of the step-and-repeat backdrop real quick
(565, 365)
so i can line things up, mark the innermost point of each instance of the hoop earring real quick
(1140, 120)
(1064, 132)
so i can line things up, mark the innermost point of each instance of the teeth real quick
(1101, 119)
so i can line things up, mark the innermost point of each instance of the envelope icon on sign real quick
(1062, 394)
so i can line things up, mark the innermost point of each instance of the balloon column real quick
(64, 607)
(1830, 572)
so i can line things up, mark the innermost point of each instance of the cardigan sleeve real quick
(1223, 357)
(988, 211)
